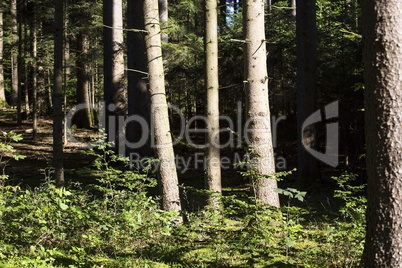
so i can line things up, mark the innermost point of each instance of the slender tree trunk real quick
(114, 90)
(58, 94)
(382, 39)
(138, 95)
(164, 148)
(14, 54)
(257, 105)
(213, 165)
(306, 35)
(35, 107)
(26, 65)
(292, 4)
(67, 71)
(20, 70)
(2, 89)
(83, 117)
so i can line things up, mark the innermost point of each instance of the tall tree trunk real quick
(257, 105)
(35, 106)
(14, 54)
(306, 35)
(213, 165)
(26, 65)
(67, 71)
(83, 117)
(138, 95)
(2, 89)
(382, 21)
(114, 91)
(58, 95)
(163, 140)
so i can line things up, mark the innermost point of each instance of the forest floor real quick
(39, 152)
(307, 233)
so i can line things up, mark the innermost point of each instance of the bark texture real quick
(83, 117)
(160, 119)
(2, 92)
(257, 104)
(382, 39)
(114, 91)
(14, 53)
(213, 165)
(58, 95)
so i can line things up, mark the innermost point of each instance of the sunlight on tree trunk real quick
(213, 164)
(163, 139)
(58, 95)
(382, 39)
(257, 105)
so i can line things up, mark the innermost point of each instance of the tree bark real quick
(306, 35)
(257, 104)
(213, 164)
(14, 54)
(292, 4)
(35, 106)
(2, 90)
(114, 91)
(382, 39)
(83, 117)
(138, 95)
(163, 140)
(58, 95)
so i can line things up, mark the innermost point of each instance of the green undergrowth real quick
(114, 222)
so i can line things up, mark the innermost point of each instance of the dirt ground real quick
(38, 152)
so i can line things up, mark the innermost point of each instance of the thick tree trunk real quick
(257, 105)
(306, 35)
(213, 165)
(163, 140)
(138, 95)
(83, 117)
(58, 95)
(114, 91)
(382, 39)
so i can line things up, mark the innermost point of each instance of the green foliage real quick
(50, 225)
(355, 203)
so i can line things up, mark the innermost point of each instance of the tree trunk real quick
(257, 105)
(306, 35)
(26, 65)
(58, 95)
(213, 165)
(67, 71)
(163, 140)
(114, 91)
(14, 54)
(292, 4)
(35, 106)
(2, 89)
(383, 114)
(83, 117)
(138, 95)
